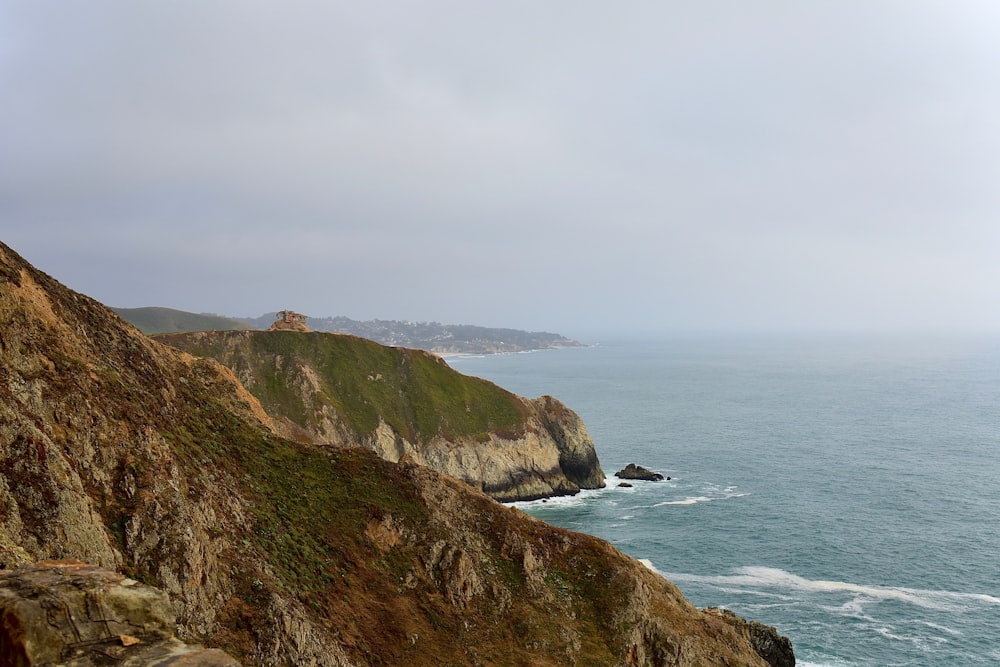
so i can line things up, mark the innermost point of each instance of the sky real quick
(567, 166)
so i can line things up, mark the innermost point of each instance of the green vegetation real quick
(168, 320)
(310, 531)
(296, 374)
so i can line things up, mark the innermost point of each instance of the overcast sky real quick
(569, 166)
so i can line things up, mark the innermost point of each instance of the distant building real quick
(289, 320)
(289, 317)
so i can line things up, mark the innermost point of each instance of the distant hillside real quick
(168, 320)
(338, 389)
(433, 336)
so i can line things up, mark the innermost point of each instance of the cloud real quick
(703, 164)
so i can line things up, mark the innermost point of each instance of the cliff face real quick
(125, 453)
(406, 404)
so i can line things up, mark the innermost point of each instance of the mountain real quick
(163, 320)
(409, 405)
(432, 336)
(126, 453)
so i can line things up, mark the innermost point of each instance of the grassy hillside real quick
(167, 320)
(295, 374)
(120, 451)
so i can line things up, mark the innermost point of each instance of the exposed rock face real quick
(119, 451)
(509, 447)
(289, 320)
(281, 325)
(632, 471)
(70, 613)
(553, 456)
(766, 641)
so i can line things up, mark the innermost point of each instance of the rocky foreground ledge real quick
(78, 615)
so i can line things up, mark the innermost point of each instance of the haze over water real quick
(843, 490)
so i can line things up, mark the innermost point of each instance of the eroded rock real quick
(769, 644)
(632, 471)
(71, 613)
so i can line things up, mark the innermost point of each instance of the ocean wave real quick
(649, 566)
(577, 500)
(715, 493)
(555, 501)
(690, 500)
(942, 628)
(767, 577)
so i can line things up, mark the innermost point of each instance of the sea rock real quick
(70, 613)
(632, 471)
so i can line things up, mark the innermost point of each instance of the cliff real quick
(410, 405)
(131, 455)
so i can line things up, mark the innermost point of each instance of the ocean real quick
(843, 490)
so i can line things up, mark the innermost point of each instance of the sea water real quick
(845, 491)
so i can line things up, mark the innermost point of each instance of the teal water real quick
(845, 491)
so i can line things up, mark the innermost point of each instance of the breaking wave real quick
(751, 579)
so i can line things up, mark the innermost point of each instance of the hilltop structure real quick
(289, 320)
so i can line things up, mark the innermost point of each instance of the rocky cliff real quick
(125, 453)
(410, 405)
(72, 614)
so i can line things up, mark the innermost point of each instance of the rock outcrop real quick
(632, 471)
(409, 405)
(289, 320)
(122, 452)
(766, 640)
(71, 613)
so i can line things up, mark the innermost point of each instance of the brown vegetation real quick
(120, 451)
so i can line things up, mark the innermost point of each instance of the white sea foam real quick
(769, 577)
(576, 500)
(719, 494)
(649, 565)
(690, 500)
(888, 634)
(938, 626)
(826, 662)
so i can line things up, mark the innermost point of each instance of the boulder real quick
(632, 471)
(79, 615)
